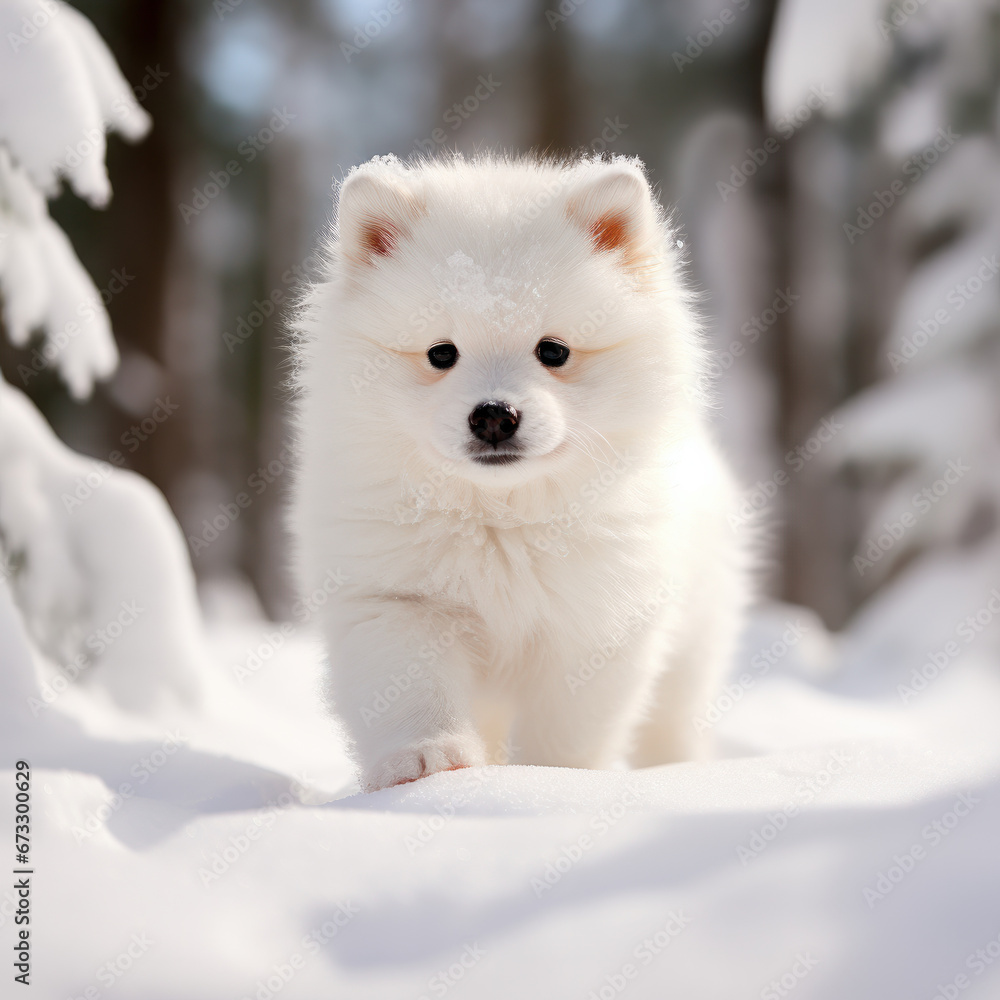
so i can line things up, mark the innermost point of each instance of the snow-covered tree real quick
(60, 93)
(91, 553)
(912, 178)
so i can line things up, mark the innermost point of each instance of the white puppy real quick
(504, 454)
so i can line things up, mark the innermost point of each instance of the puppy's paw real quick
(443, 753)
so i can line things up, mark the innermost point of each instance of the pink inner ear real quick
(610, 232)
(379, 238)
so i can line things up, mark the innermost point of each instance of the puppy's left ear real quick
(375, 213)
(614, 207)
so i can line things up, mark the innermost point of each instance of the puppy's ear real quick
(375, 213)
(613, 205)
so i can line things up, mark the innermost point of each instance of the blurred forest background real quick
(836, 178)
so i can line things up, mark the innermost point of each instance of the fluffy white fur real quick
(577, 606)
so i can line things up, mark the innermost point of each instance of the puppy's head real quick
(514, 320)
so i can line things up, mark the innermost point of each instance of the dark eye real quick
(443, 355)
(551, 353)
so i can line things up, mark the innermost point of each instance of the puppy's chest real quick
(517, 580)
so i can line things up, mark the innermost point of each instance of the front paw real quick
(442, 753)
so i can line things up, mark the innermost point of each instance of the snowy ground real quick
(846, 847)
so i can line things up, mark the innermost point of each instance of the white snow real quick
(44, 286)
(56, 69)
(840, 50)
(833, 50)
(102, 576)
(228, 845)
(60, 92)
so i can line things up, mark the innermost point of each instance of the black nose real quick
(493, 421)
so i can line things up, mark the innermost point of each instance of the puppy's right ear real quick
(374, 214)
